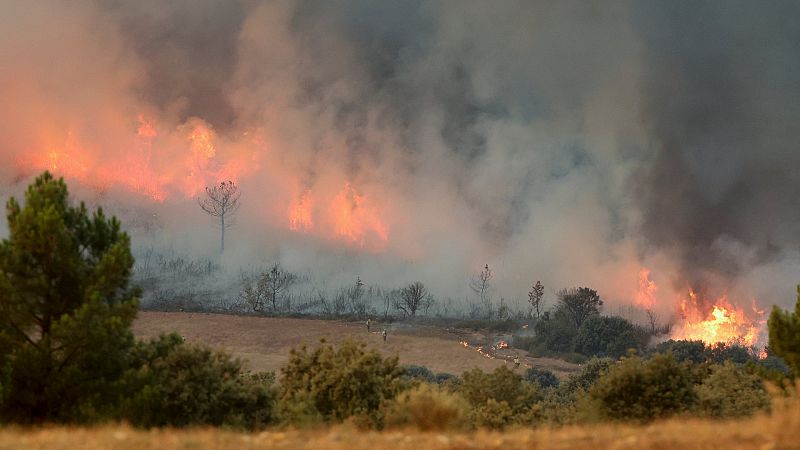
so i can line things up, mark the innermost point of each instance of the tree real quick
(66, 307)
(355, 297)
(413, 297)
(221, 201)
(481, 285)
(268, 288)
(784, 334)
(577, 304)
(535, 297)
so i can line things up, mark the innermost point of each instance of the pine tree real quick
(66, 307)
(784, 334)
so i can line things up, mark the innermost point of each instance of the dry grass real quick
(265, 342)
(779, 431)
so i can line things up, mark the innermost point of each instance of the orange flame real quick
(300, 213)
(354, 219)
(646, 295)
(719, 322)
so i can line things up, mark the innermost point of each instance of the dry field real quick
(264, 343)
(782, 431)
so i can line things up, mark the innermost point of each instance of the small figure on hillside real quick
(516, 362)
(383, 333)
(369, 322)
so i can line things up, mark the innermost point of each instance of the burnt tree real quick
(222, 202)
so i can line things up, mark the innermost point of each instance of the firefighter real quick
(383, 333)
(369, 322)
(516, 362)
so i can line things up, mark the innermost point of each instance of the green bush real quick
(555, 335)
(730, 391)
(497, 391)
(428, 407)
(420, 373)
(333, 384)
(177, 384)
(642, 390)
(542, 377)
(588, 375)
(607, 336)
(683, 350)
(721, 352)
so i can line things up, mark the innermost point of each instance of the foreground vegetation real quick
(781, 430)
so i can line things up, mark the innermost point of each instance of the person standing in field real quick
(369, 322)
(383, 333)
(516, 362)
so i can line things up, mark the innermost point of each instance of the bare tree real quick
(535, 298)
(221, 201)
(268, 288)
(412, 298)
(355, 296)
(481, 285)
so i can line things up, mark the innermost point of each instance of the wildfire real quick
(502, 344)
(300, 213)
(717, 321)
(646, 295)
(355, 219)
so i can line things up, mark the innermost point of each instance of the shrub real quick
(683, 350)
(729, 391)
(428, 407)
(588, 375)
(332, 384)
(721, 352)
(542, 377)
(555, 335)
(420, 373)
(445, 378)
(642, 390)
(177, 384)
(497, 391)
(607, 336)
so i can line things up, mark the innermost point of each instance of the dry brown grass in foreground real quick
(779, 431)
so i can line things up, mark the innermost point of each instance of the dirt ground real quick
(264, 342)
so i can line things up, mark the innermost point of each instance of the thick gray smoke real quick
(564, 141)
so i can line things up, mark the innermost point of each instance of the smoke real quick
(559, 141)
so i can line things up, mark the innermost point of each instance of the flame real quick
(718, 322)
(300, 213)
(646, 295)
(355, 219)
(502, 344)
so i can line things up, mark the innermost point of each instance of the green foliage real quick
(65, 307)
(784, 334)
(721, 352)
(577, 304)
(642, 390)
(492, 394)
(683, 350)
(542, 377)
(420, 373)
(428, 407)
(607, 336)
(588, 375)
(177, 384)
(730, 391)
(333, 384)
(555, 335)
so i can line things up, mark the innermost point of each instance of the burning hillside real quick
(417, 137)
